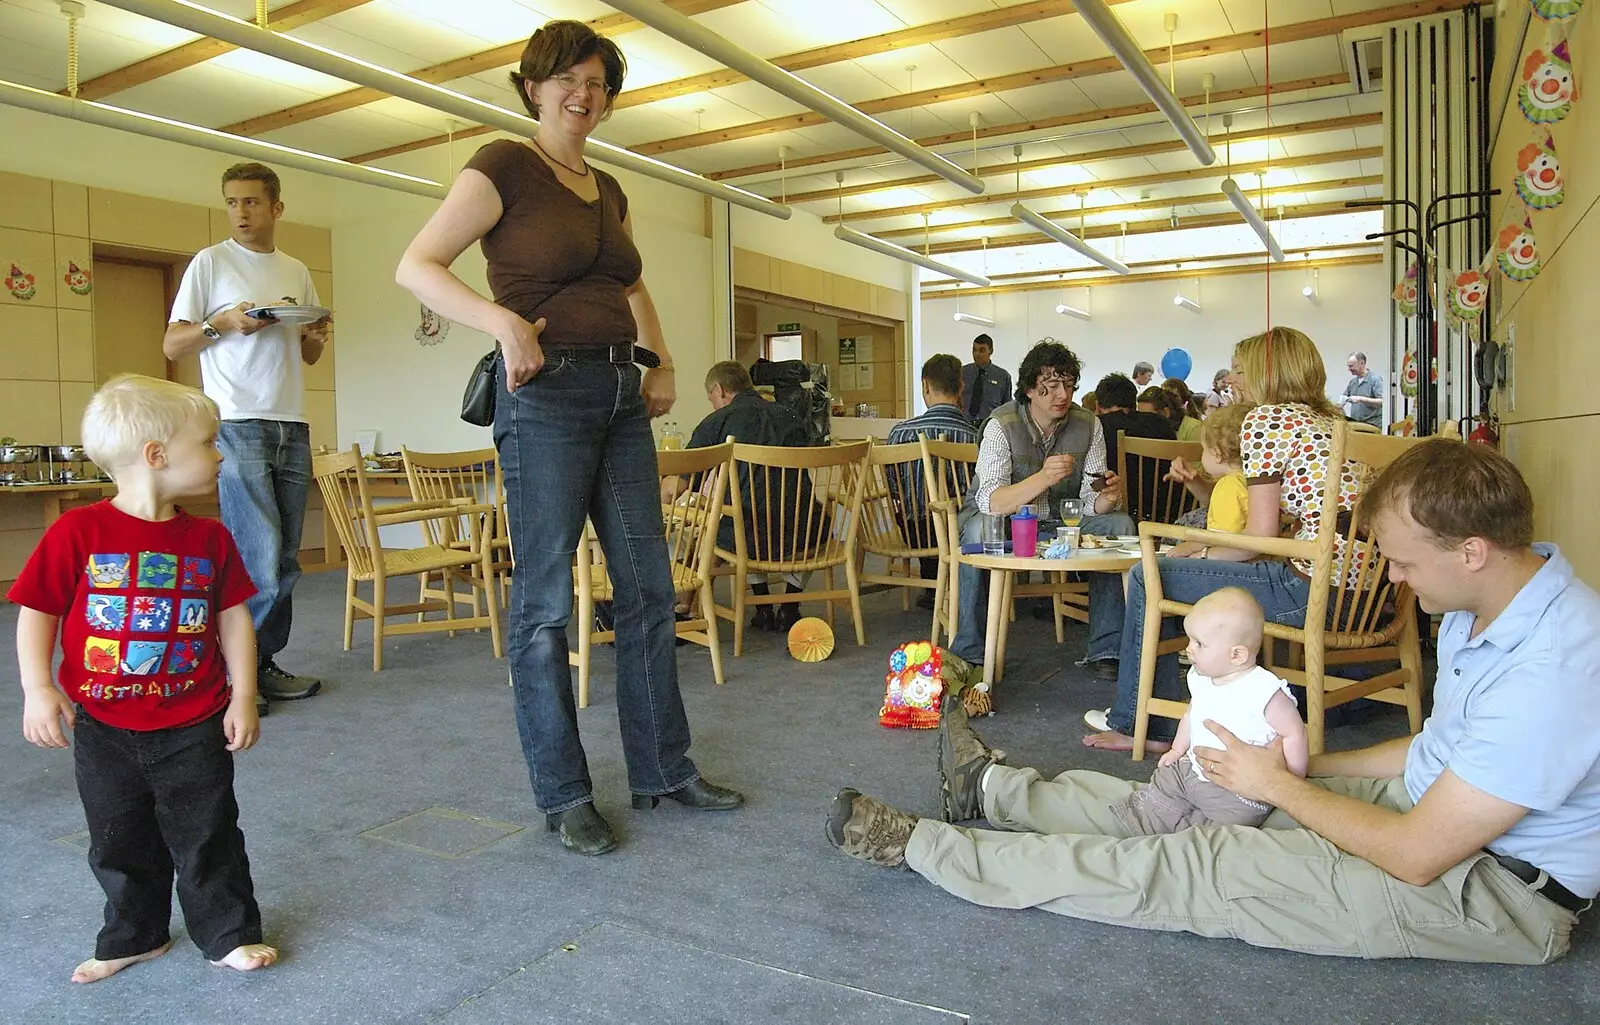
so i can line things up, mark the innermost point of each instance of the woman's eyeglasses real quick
(590, 85)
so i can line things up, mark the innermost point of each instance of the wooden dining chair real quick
(473, 476)
(1142, 465)
(948, 470)
(690, 522)
(803, 516)
(896, 522)
(342, 479)
(1355, 615)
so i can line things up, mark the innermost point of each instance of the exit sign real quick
(789, 327)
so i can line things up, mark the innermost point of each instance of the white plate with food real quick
(290, 314)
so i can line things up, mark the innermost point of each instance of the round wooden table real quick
(1104, 560)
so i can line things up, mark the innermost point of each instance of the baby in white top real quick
(1226, 687)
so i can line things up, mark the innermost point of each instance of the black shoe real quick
(582, 830)
(786, 616)
(1105, 669)
(926, 601)
(763, 620)
(274, 684)
(699, 795)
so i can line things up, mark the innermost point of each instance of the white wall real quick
(805, 240)
(1138, 321)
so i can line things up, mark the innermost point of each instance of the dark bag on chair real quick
(477, 402)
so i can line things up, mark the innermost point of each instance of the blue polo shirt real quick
(1516, 713)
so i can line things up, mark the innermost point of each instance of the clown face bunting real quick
(1519, 252)
(1547, 85)
(1405, 293)
(1539, 181)
(913, 687)
(1467, 298)
(1557, 10)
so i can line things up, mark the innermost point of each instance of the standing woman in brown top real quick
(573, 424)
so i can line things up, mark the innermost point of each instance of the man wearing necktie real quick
(983, 385)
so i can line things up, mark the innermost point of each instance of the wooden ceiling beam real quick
(1315, 29)
(449, 71)
(1140, 206)
(1299, 129)
(1055, 277)
(855, 49)
(198, 51)
(1173, 275)
(1135, 181)
(1037, 125)
(1144, 227)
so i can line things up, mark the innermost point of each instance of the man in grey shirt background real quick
(983, 385)
(1363, 396)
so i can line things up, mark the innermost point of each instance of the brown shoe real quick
(963, 759)
(869, 830)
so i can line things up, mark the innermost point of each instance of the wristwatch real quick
(209, 331)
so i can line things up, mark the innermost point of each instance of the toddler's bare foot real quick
(249, 957)
(94, 969)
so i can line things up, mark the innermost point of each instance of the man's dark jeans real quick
(575, 443)
(160, 805)
(266, 472)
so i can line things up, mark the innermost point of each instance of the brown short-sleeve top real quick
(1292, 444)
(555, 256)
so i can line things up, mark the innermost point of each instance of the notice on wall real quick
(847, 350)
(863, 347)
(864, 377)
(847, 378)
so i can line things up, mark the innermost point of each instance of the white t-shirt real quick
(255, 377)
(1240, 706)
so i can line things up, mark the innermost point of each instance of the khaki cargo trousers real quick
(1058, 846)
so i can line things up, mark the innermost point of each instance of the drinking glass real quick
(994, 535)
(1071, 512)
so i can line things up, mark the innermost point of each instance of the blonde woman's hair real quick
(1284, 366)
(1220, 432)
(132, 410)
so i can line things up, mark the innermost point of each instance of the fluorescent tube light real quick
(1066, 238)
(973, 318)
(1115, 35)
(1230, 188)
(878, 245)
(1073, 311)
(1186, 302)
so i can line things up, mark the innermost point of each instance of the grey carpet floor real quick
(469, 912)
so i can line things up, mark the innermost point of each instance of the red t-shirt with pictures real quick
(138, 602)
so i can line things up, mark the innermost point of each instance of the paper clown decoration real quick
(1557, 10)
(810, 640)
(1539, 181)
(1547, 85)
(1408, 376)
(913, 687)
(1405, 293)
(20, 283)
(80, 281)
(1467, 297)
(1519, 252)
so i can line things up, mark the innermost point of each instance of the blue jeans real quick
(575, 443)
(1104, 589)
(1282, 592)
(266, 471)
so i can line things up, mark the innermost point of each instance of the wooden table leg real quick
(991, 636)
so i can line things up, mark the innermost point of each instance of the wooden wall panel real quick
(33, 252)
(310, 245)
(25, 203)
(28, 342)
(71, 208)
(147, 223)
(1555, 457)
(75, 345)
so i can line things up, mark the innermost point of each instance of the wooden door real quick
(130, 318)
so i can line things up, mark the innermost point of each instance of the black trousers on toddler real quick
(160, 805)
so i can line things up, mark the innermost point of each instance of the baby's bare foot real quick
(249, 957)
(94, 969)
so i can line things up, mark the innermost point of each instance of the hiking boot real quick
(275, 684)
(963, 759)
(869, 830)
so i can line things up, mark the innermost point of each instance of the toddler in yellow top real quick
(1228, 507)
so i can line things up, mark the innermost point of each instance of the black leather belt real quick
(624, 353)
(1549, 889)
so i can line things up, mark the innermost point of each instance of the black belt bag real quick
(477, 402)
(1548, 888)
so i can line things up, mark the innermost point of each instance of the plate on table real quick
(290, 314)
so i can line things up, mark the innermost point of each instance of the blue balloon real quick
(1176, 363)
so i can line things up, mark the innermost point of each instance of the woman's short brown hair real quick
(1283, 365)
(557, 46)
(1457, 491)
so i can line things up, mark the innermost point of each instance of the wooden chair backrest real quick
(895, 518)
(342, 479)
(949, 468)
(1363, 611)
(441, 476)
(797, 505)
(691, 521)
(1142, 465)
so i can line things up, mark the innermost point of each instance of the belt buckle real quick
(620, 353)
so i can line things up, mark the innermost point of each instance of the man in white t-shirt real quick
(250, 367)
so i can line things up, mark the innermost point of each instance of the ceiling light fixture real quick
(1066, 309)
(1181, 300)
(973, 318)
(206, 22)
(1115, 35)
(1310, 289)
(1066, 238)
(1241, 202)
(878, 245)
(696, 35)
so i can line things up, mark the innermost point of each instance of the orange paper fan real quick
(811, 640)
